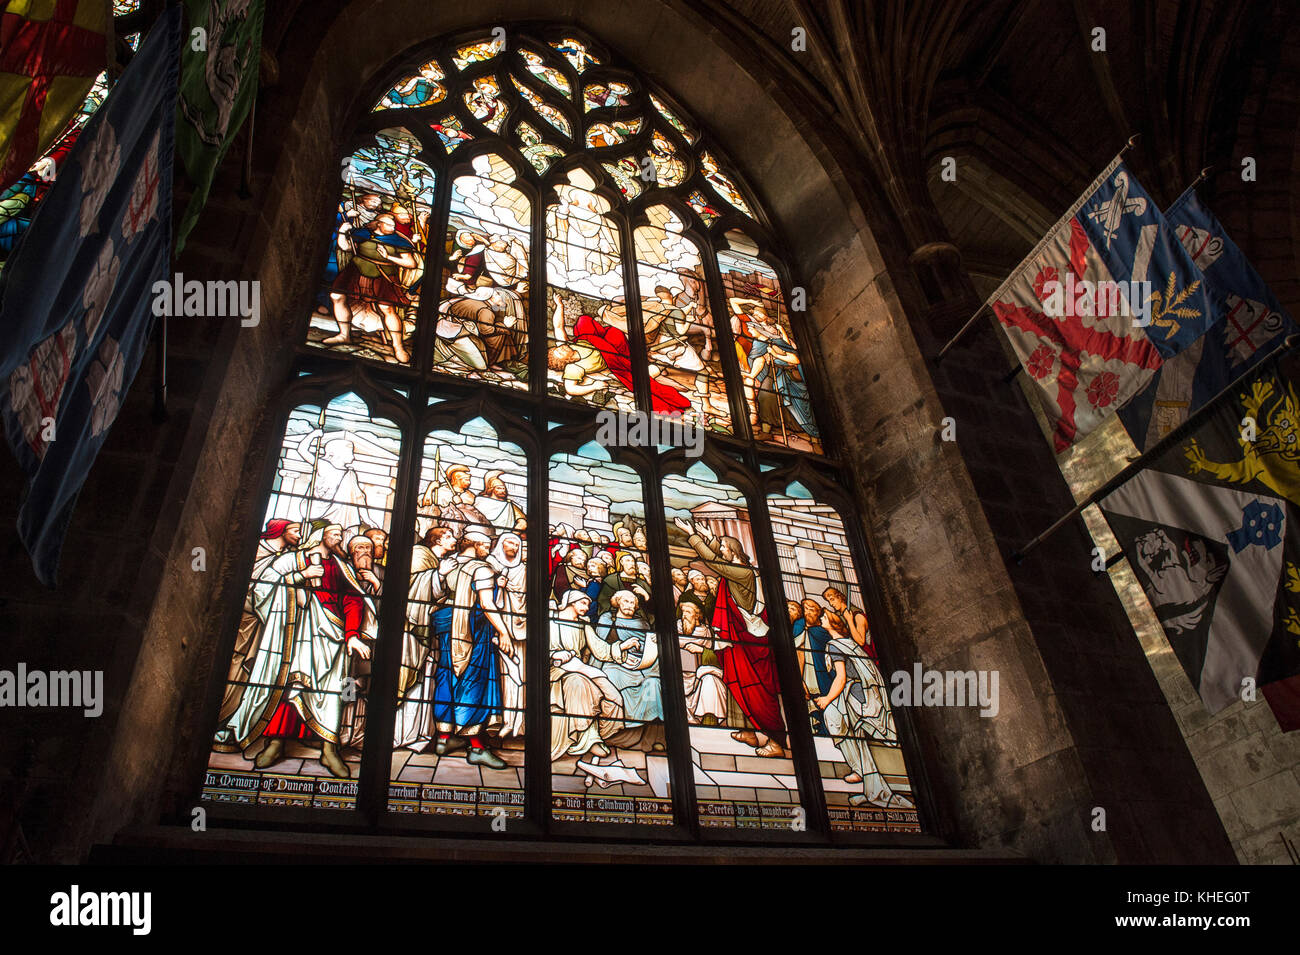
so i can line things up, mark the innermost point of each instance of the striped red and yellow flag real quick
(50, 53)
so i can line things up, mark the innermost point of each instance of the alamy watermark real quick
(54, 688)
(210, 299)
(921, 687)
(640, 430)
(1101, 299)
(78, 907)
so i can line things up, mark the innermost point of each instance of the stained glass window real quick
(862, 769)
(685, 360)
(744, 774)
(482, 329)
(588, 354)
(608, 753)
(543, 543)
(776, 391)
(459, 736)
(291, 720)
(371, 285)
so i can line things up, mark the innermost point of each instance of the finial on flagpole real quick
(1132, 141)
(1205, 174)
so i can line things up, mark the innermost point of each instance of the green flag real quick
(219, 64)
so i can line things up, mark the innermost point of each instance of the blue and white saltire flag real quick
(75, 295)
(1103, 300)
(1248, 324)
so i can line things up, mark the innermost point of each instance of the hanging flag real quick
(1248, 324)
(51, 51)
(1104, 299)
(1211, 531)
(75, 297)
(218, 85)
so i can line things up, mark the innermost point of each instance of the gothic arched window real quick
(553, 528)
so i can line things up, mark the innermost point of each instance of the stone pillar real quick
(1082, 723)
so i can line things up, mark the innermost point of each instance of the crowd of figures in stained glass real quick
(608, 752)
(572, 202)
(854, 733)
(292, 718)
(563, 142)
(459, 737)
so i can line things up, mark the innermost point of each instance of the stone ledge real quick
(152, 845)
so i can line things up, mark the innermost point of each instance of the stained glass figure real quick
(680, 342)
(18, 203)
(544, 71)
(674, 120)
(539, 153)
(420, 89)
(123, 7)
(703, 208)
(723, 183)
(485, 103)
(744, 774)
(669, 169)
(483, 315)
(626, 175)
(458, 745)
(776, 392)
(863, 772)
(600, 95)
(576, 52)
(544, 109)
(451, 131)
(588, 353)
(372, 281)
(477, 52)
(608, 757)
(292, 721)
(602, 135)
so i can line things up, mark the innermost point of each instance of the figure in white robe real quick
(337, 496)
(507, 559)
(855, 712)
(413, 726)
(276, 597)
(586, 708)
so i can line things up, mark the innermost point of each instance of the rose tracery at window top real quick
(530, 224)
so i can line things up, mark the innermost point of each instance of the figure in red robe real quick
(612, 344)
(748, 667)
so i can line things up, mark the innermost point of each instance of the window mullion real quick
(635, 329)
(381, 695)
(781, 641)
(677, 735)
(727, 345)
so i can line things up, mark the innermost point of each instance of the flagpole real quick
(1138, 463)
(160, 373)
(961, 332)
